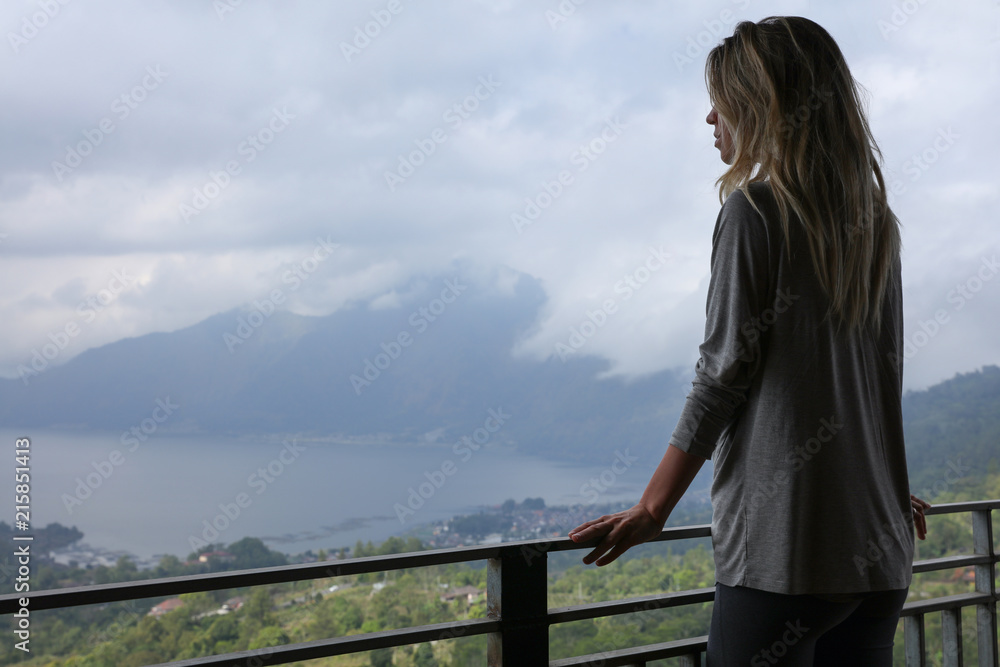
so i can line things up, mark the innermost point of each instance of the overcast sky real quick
(164, 162)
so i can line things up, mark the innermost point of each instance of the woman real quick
(797, 392)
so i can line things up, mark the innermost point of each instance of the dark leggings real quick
(759, 628)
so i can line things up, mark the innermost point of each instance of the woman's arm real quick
(673, 476)
(641, 523)
(738, 292)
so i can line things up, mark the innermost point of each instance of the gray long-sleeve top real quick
(810, 492)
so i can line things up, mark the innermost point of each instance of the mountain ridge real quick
(423, 364)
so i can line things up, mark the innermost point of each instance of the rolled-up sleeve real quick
(738, 292)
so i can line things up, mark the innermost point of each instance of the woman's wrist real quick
(671, 479)
(657, 510)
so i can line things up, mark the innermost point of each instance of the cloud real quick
(356, 106)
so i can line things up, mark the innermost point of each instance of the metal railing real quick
(518, 616)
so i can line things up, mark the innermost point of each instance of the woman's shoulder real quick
(752, 206)
(756, 206)
(757, 193)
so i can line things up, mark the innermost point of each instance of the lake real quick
(165, 494)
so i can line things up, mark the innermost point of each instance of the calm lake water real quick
(155, 499)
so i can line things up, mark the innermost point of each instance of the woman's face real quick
(723, 140)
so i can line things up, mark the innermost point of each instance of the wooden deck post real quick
(517, 596)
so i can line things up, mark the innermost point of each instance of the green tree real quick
(196, 603)
(533, 504)
(125, 570)
(251, 552)
(424, 657)
(169, 566)
(258, 607)
(224, 628)
(393, 545)
(270, 636)
(103, 575)
(381, 657)
(335, 617)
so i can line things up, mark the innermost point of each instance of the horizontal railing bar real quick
(631, 605)
(948, 562)
(324, 648)
(946, 602)
(131, 590)
(629, 656)
(680, 533)
(969, 506)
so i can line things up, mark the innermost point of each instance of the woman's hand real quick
(620, 531)
(919, 520)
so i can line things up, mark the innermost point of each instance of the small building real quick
(166, 606)
(470, 593)
(232, 604)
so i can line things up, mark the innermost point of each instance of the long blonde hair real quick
(783, 89)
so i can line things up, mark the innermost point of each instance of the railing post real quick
(517, 596)
(986, 613)
(951, 637)
(914, 641)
